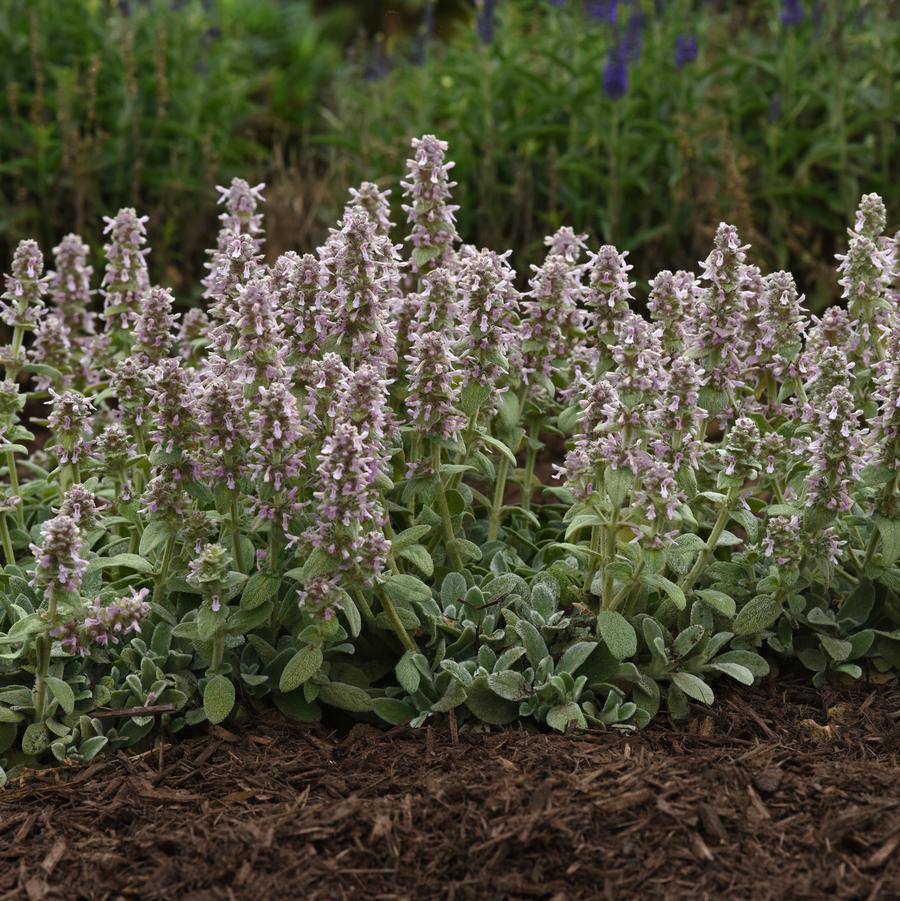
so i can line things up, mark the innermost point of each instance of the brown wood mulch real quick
(778, 792)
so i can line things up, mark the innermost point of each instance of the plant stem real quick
(163, 575)
(704, 556)
(528, 480)
(236, 534)
(218, 649)
(44, 647)
(14, 486)
(497, 506)
(444, 509)
(398, 626)
(596, 533)
(7, 540)
(612, 543)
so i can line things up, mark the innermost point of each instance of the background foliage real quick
(779, 125)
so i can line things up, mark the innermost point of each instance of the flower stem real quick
(687, 583)
(44, 647)
(236, 534)
(497, 506)
(163, 575)
(14, 486)
(444, 509)
(398, 626)
(7, 540)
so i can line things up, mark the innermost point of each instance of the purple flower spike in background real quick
(487, 24)
(686, 49)
(615, 73)
(791, 13)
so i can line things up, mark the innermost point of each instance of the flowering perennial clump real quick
(404, 483)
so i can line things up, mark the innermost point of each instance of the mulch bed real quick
(778, 792)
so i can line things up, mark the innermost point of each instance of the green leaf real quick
(757, 615)
(680, 555)
(535, 646)
(346, 697)
(318, 563)
(889, 529)
(499, 446)
(35, 740)
(9, 716)
(858, 606)
(509, 685)
(564, 716)
(452, 697)
(582, 521)
(676, 595)
(393, 711)
(617, 483)
(218, 698)
(420, 558)
(748, 659)
(153, 537)
(62, 692)
(301, 667)
(617, 633)
(407, 673)
(260, 588)
(694, 687)
(836, 649)
(409, 536)
(574, 656)
(405, 589)
(295, 707)
(489, 707)
(125, 561)
(735, 670)
(718, 600)
(92, 746)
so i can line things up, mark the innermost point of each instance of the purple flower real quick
(363, 266)
(52, 346)
(602, 10)
(671, 306)
(82, 505)
(836, 452)
(434, 377)
(320, 596)
(165, 498)
(686, 49)
(131, 382)
(633, 42)
(615, 73)
(221, 412)
(487, 20)
(370, 199)
(58, 561)
(126, 277)
(492, 306)
(70, 419)
(25, 286)
(254, 333)
(70, 284)
(172, 408)
(608, 293)
(153, 335)
(552, 319)
(300, 284)
(429, 212)
(241, 215)
(208, 570)
(741, 450)
(791, 13)
(566, 243)
(784, 540)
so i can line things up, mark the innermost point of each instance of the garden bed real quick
(778, 791)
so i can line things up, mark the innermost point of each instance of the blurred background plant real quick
(642, 123)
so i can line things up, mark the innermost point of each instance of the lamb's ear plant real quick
(331, 491)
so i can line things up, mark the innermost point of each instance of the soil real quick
(778, 792)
